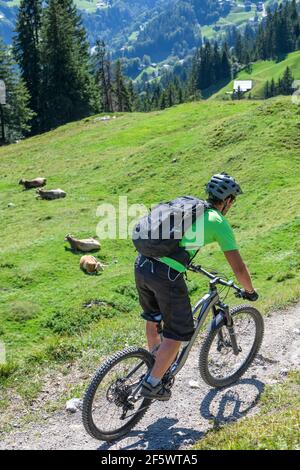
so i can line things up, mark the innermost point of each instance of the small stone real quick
(11, 204)
(297, 331)
(273, 382)
(174, 160)
(73, 405)
(188, 442)
(284, 372)
(194, 384)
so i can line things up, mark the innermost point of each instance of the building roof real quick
(243, 85)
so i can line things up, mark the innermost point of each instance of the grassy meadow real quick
(43, 294)
(262, 71)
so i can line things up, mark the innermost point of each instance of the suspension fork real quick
(230, 328)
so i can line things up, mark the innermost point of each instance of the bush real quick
(128, 290)
(21, 311)
(7, 370)
(62, 351)
(72, 322)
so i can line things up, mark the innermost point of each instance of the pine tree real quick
(272, 88)
(155, 102)
(170, 96)
(27, 52)
(68, 88)
(103, 77)
(121, 91)
(239, 94)
(267, 90)
(133, 100)
(239, 49)
(286, 85)
(163, 100)
(17, 113)
(225, 63)
(191, 88)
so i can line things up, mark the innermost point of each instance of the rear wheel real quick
(219, 366)
(107, 411)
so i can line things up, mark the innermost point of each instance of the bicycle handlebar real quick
(198, 269)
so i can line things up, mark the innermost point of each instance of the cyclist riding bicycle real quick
(162, 290)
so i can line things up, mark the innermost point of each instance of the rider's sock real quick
(153, 381)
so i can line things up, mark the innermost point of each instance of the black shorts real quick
(163, 290)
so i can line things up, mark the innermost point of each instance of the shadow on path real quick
(218, 406)
(232, 403)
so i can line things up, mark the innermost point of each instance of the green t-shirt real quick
(211, 227)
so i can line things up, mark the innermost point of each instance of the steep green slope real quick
(42, 290)
(265, 70)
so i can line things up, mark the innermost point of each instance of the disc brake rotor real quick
(118, 393)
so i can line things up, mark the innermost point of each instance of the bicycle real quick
(114, 391)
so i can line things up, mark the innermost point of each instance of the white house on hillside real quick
(243, 85)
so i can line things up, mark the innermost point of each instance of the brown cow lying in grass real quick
(31, 184)
(51, 194)
(87, 245)
(90, 265)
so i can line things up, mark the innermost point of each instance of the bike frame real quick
(207, 303)
(204, 305)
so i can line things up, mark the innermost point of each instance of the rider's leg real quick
(152, 335)
(164, 357)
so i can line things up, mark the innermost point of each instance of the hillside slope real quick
(163, 29)
(43, 294)
(262, 71)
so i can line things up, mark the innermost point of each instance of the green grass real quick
(237, 17)
(263, 71)
(145, 74)
(276, 427)
(42, 290)
(133, 36)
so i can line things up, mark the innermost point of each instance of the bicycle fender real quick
(217, 321)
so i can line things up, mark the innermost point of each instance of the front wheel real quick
(219, 366)
(108, 410)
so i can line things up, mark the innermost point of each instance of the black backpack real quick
(158, 233)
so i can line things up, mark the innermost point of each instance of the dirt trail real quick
(191, 412)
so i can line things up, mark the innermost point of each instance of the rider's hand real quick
(252, 296)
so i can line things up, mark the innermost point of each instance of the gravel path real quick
(191, 412)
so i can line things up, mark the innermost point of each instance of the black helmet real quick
(222, 185)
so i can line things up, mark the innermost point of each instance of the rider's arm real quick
(240, 269)
(223, 234)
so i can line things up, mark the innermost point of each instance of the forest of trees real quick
(277, 35)
(52, 78)
(17, 112)
(175, 30)
(63, 82)
(283, 86)
(210, 65)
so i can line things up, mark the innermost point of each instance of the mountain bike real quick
(112, 404)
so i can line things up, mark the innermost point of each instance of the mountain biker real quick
(162, 289)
